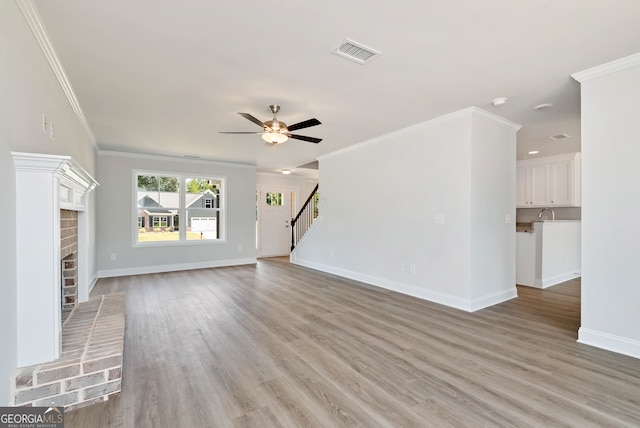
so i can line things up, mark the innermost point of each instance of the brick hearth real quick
(89, 369)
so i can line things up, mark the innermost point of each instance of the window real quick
(160, 221)
(274, 198)
(165, 200)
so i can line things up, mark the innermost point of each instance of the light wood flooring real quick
(273, 344)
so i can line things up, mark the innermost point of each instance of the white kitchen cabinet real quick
(548, 182)
(532, 185)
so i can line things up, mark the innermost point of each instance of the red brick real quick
(100, 390)
(101, 364)
(84, 381)
(57, 374)
(115, 373)
(27, 395)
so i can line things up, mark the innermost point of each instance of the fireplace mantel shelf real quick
(74, 181)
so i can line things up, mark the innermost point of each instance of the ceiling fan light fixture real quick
(274, 137)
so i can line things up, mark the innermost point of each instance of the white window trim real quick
(182, 210)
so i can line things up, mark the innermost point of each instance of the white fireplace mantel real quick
(45, 184)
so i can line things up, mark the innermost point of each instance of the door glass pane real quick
(274, 199)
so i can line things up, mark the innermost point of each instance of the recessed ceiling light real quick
(534, 152)
(542, 107)
(497, 102)
(285, 171)
(559, 137)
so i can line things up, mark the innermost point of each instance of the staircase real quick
(305, 218)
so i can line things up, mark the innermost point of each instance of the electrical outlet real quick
(401, 267)
(439, 218)
(51, 131)
(412, 268)
(113, 257)
(507, 218)
(239, 248)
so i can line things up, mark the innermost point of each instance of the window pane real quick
(158, 200)
(203, 225)
(274, 198)
(203, 203)
(201, 189)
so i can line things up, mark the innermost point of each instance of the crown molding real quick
(515, 127)
(31, 15)
(607, 68)
(168, 158)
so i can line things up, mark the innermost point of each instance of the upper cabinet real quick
(552, 181)
(532, 185)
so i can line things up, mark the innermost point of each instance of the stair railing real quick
(305, 218)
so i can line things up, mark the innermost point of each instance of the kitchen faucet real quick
(553, 215)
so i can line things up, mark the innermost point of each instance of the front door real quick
(274, 221)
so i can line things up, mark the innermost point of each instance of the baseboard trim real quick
(142, 270)
(610, 342)
(456, 302)
(493, 299)
(548, 282)
(94, 280)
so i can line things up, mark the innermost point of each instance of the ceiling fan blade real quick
(305, 124)
(304, 138)
(252, 119)
(241, 132)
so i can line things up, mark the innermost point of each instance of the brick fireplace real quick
(44, 235)
(78, 361)
(69, 262)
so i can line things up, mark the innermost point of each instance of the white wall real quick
(28, 88)
(610, 206)
(493, 188)
(377, 224)
(114, 217)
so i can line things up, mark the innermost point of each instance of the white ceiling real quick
(164, 77)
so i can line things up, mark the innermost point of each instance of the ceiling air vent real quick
(355, 52)
(559, 137)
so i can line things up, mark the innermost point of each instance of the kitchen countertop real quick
(524, 227)
(528, 226)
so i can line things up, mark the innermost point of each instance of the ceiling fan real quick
(275, 131)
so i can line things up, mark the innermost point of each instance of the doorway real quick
(274, 212)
